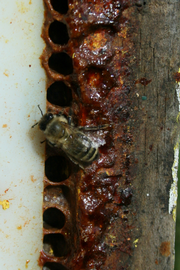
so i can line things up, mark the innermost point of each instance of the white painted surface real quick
(21, 154)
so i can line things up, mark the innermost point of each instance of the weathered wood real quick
(156, 132)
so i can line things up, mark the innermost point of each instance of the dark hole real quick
(67, 193)
(58, 33)
(53, 217)
(61, 63)
(59, 94)
(60, 5)
(55, 244)
(53, 266)
(57, 168)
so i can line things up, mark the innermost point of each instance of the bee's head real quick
(45, 120)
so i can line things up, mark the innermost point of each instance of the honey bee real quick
(61, 133)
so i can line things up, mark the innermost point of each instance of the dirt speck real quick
(33, 179)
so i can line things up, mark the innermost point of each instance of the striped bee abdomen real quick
(82, 149)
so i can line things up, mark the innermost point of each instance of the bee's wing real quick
(79, 148)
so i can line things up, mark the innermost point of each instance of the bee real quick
(61, 133)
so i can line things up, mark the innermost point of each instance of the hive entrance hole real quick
(53, 266)
(57, 168)
(58, 33)
(61, 63)
(55, 244)
(60, 6)
(59, 94)
(54, 218)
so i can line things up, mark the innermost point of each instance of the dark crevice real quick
(55, 244)
(53, 266)
(61, 63)
(54, 218)
(59, 94)
(57, 168)
(58, 33)
(60, 6)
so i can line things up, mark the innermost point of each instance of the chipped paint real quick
(178, 91)
(173, 194)
(173, 191)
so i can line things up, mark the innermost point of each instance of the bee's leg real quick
(35, 125)
(94, 128)
(69, 120)
(51, 144)
(40, 110)
(75, 161)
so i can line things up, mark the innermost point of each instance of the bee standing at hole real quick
(60, 133)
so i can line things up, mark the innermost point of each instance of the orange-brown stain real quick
(27, 263)
(156, 262)
(30, 2)
(19, 227)
(165, 249)
(177, 76)
(4, 126)
(26, 222)
(28, 115)
(22, 8)
(33, 179)
(6, 190)
(6, 73)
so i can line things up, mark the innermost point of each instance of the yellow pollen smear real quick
(5, 204)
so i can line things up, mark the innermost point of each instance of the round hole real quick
(59, 94)
(54, 218)
(53, 266)
(58, 33)
(61, 63)
(57, 168)
(55, 244)
(60, 6)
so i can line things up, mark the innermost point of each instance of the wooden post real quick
(156, 145)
